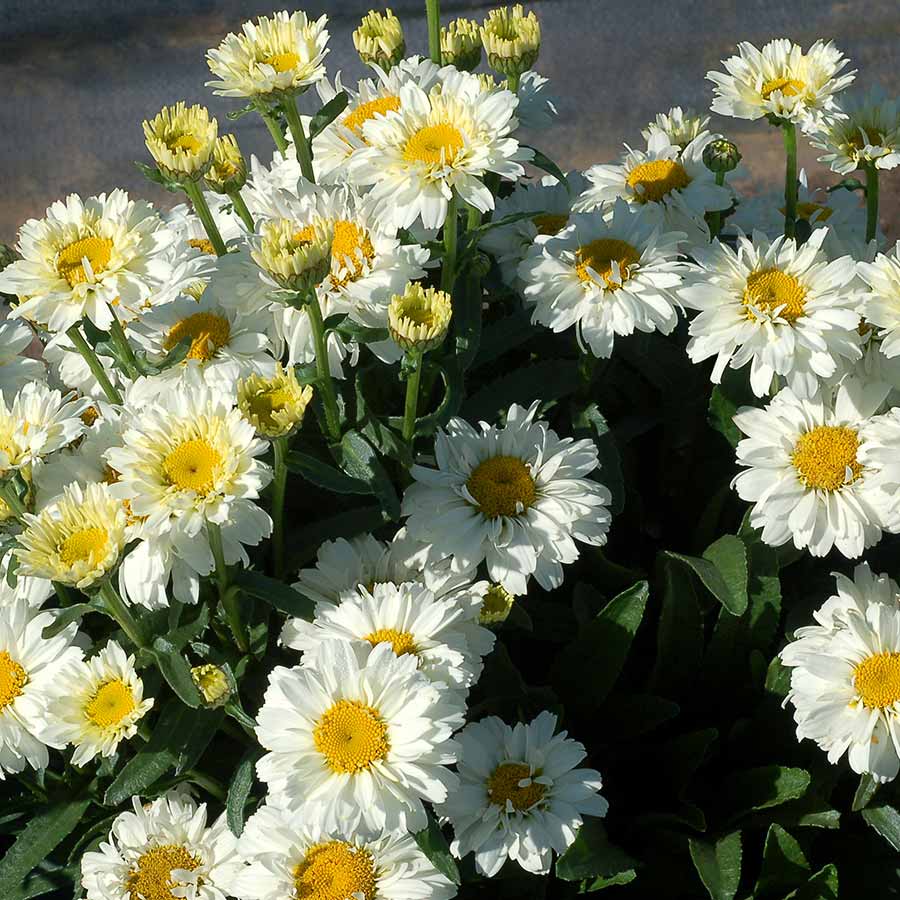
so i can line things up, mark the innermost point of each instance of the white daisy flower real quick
(845, 679)
(606, 276)
(680, 126)
(817, 470)
(668, 184)
(782, 81)
(277, 55)
(365, 736)
(17, 370)
(537, 107)
(880, 304)
(520, 796)
(29, 668)
(784, 309)
(438, 143)
(288, 856)
(69, 368)
(85, 256)
(34, 592)
(161, 850)
(98, 704)
(443, 635)
(516, 496)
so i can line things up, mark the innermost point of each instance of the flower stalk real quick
(81, 345)
(229, 594)
(790, 179)
(411, 406)
(268, 117)
(201, 208)
(279, 482)
(323, 369)
(301, 142)
(433, 11)
(116, 607)
(871, 202)
(240, 207)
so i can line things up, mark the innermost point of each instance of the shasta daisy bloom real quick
(511, 39)
(16, 370)
(274, 405)
(784, 309)
(516, 496)
(418, 318)
(273, 56)
(845, 678)
(880, 305)
(362, 737)
(680, 126)
(520, 796)
(30, 665)
(606, 277)
(818, 470)
(181, 140)
(288, 856)
(296, 257)
(782, 81)
(163, 850)
(86, 255)
(668, 184)
(98, 704)
(438, 142)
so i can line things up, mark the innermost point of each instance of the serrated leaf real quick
(362, 334)
(886, 821)
(239, 790)
(778, 678)
(718, 864)
(359, 459)
(276, 593)
(822, 886)
(327, 114)
(547, 164)
(763, 787)
(434, 845)
(324, 476)
(176, 671)
(784, 864)
(591, 855)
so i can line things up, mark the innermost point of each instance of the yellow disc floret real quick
(877, 680)
(193, 466)
(207, 332)
(434, 145)
(151, 879)
(505, 786)
(85, 544)
(84, 259)
(335, 870)
(351, 736)
(112, 702)
(769, 290)
(825, 458)
(13, 679)
(502, 486)
(402, 641)
(606, 262)
(652, 181)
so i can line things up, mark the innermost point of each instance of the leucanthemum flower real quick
(30, 665)
(98, 704)
(819, 471)
(379, 39)
(845, 678)
(607, 277)
(274, 405)
(161, 850)
(419, 318)
(781, 80)
(228, 171)
(16, 370)
(511, 39)
(461, 44)
(436, 143)
(277, 55)
(288, 856)
(784, 309)
(516, 496)
(680, 126)
(296, 257)
(363, 737)
(880, 304)
(181, 140)
(521, 796)
(34, 592)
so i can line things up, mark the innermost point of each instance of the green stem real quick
(11, 498)
(229, 595)
(715, 217)
(94, 364)
(241, 208)
(301, 144)
(433, 10)
(412, 397)
(512, 83)
(208, 783)
(194, 192)
(279, 481)
(117, 332)
(871, 202)
(268, 117)
(790, 178)
(63, 594)
(448, 268)
(116, 607)
(323, 370)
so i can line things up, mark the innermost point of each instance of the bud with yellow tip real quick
(273, 405)
(379, 39)
(511, 40)
(297, 257)
(419, 318)
(213, 684)
(461, 44)
(228, 171)
(181, 139)
(496, 605)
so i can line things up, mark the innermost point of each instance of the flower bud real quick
(379, 39)
(721, 155)
(213, 684)
(511, 40)
(419, 317)
(228, 171)
(297, 258)
(274, 406)
(461, 44)
(496, 605)
(181, 140)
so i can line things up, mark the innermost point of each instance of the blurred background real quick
(78, 77)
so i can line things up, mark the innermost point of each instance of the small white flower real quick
(16, 370)
(880, 305)
(680, 126)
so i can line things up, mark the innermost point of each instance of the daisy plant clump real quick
(407, 516)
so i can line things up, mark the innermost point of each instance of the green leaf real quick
(70, 614)
(359, 459)
(151, 173)
(886, 821)
(679, 758)
(176, 671)
(679, 642)
(324, 476)
(547, 164)
(327, 114)
(239, 790)
(865, 791)
(434, 845)
(784, 864)
(547, 380)
(591, 855)
(712, 579)
(503, 335)
(345, 524)
(628, 716)
(778, 678)
(847, 184)
(763, 787)
(729, 555)
(822, 886)
(276, 593)
(182, 635)
(235, 114)
(718, 864)
(46, 830)
(591, 420)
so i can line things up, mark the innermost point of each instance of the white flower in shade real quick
(34, 592)
(443, 635)
(607, 277)
(516, 496)
(818, 471)
(520, 796)
(16, 370)
(680, 126)
(880, 304)
(845, 678)
(549, 204)
(781, 80)
(288, 856)
(277, 55)
(670, 185)
(537, 108)
(86, 255)
(438, 143)
(868, 131)
(163, 850)
(30, 665)
(98, 704)
(365, 736)
(784, 309)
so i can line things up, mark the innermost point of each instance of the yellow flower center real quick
(825, 458)
(351, 736)
(13, 679)
(769, 289)
(112, 702)
(88, 544)
(550, 223)
(597, 258)
(352, 248)
(365, 111)
(187, 143)
(192, 466)
(152, 879)
(264, 404)
(502, 486)
(789, 87)
(877, 680)
(335, 870)
(402, 641)
(70, 260)
(434, 145)
(282, 62)
(204, 245)
(207, 331)
(503, 785)
(652, 180)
